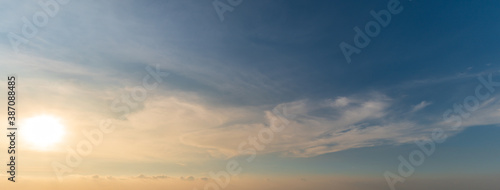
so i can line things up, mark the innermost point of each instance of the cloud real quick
(154, 177)
(340, 102)
(321, 127)
(142, 176)
(361, 123)
(189, 178)
(420, 106)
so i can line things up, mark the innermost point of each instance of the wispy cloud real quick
(420, 106)
(321, 128)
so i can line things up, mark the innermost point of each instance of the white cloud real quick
(309, 135)
(361, 123)
(420, 106)
(341, 102)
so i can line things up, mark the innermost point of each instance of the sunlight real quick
(42, 131)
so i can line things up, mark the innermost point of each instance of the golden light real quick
(42, 131)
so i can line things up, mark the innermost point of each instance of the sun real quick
(42, 131)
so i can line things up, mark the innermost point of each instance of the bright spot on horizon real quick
(42, 131)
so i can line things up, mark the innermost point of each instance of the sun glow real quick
(43, 131)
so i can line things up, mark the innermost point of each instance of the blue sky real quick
(350, 119)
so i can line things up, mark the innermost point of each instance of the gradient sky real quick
(348, 122)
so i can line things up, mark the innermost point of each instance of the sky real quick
(240, 94)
